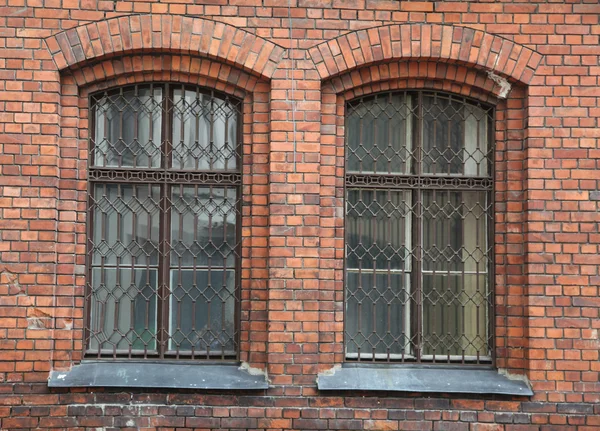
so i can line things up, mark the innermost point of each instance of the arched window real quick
(163, 223)
(419, 222)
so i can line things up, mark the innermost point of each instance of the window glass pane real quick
(203, 226)
(378, 264)
(455, 230)
(128, 128)
(126, 224)
(378, 229)
(477, 155)
(203, 258)
(456, 297)
(455, 313)
(123, 309)
(379, 134)
(204, 131)
(455, 137)
(376, 315)
(202, 309)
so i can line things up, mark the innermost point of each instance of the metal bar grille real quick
(163, 231)
(418, 221)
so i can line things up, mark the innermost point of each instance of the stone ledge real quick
(158, 375)
(423, 378)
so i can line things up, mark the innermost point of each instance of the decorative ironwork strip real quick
(161, 176)
(414, 182)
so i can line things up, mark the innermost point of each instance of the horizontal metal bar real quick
(379, 271)
(356, 180)
(161, 176)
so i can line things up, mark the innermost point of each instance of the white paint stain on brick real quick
(505, 86)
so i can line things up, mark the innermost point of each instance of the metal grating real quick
(419, 218)
(163, 224)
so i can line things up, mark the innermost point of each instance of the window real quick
(419, 218)
(163, 223)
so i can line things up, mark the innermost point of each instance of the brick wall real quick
(301, 60)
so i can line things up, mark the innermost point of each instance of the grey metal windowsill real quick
(422, 378)
(158, 375)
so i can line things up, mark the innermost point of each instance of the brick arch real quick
(450, 77)
(442, 43)
(133, 34)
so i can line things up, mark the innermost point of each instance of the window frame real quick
(404, 182)
(166, 178)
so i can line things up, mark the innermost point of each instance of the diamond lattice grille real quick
(163, 236)
(418, 228)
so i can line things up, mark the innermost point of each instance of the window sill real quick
(421, 378)
(158, 375)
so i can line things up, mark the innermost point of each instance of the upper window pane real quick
(128, 128)
(204, 132)
(455, 137)
(165, 126)
(379, 134)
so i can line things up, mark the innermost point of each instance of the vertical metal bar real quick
(184, 150)
(477, 284)
(391, 232)
(390, 146)
(211, 148)
(151, 136)
(418, 232)
(118, 270)
(149, 225)
(197, 143)
(491, 229)
(163, 279)
(450, 265)
(360, 141)
(238, 229)
(209, 265)
(88, 291)
(359, 276)
(225, 146)
(121, 127)
(107, 130)
(224, 289)
(134, 193)
(135, 100)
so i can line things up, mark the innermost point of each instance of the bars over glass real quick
(163, 224)
(418, 227)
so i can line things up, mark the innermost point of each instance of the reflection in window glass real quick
(124, 306)
(204, 132)
(202, 308)
(128, 128)
(379, 134)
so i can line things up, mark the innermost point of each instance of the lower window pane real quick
(376, 315)
(455, 311)
(123, 310)
(202, 310)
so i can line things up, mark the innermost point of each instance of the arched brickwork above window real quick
(134, 34)
(443, 43)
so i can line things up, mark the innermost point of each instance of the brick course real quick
(54, 53)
